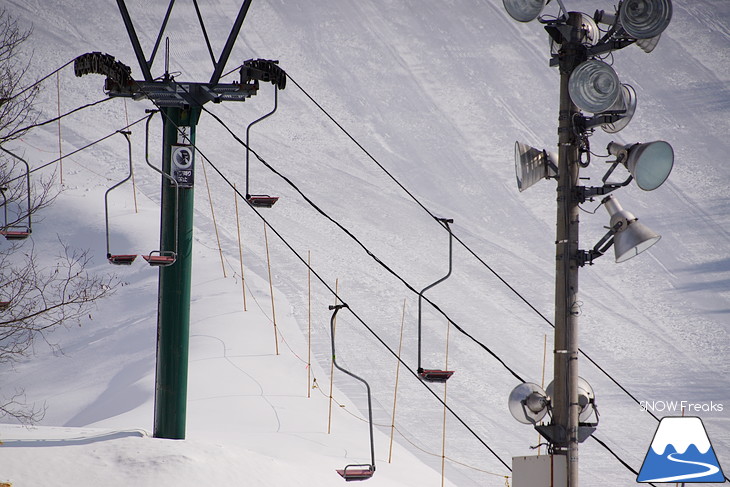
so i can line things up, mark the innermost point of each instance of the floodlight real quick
(631, 237)
(648, 45)
(532, 165)
(644, 19)
(588, 34)
(586, 398)
(594, 86)
(524, 10)
(528, 403)
(627, 104)
(649, 163)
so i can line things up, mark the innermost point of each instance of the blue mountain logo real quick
(681, 452)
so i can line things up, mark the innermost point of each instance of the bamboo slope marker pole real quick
(240, 248)
(134, 185)
(332, 366)
(309, 323)
(271, 291)
(395, 391)
(215, 224)
(58, 106)
(443, 434)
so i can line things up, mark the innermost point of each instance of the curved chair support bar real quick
(445, 222)
(126, 134)
(248, 129)
(336, 308)
(165, 175)
(27, 179)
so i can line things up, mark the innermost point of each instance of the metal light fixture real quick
(630, 237)
(649, 163)
(644, 19)
(648, 45)
(626, 104)
(586, 398)
(594, 86)
(528, 403)
(532, 165)
(524, 10)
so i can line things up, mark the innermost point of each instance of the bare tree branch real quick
(37, 295)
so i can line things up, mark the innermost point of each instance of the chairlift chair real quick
(354, 471)
(162, 258)
(435, 375)
(4, 305)
(259, 200)
(118, 259)
(13, 231)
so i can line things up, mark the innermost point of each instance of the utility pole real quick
(180, 104)
(587, 84)
(565, 393)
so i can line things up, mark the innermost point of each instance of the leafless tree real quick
(15, 100)
(37, 295)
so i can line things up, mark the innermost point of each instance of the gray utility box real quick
(539, 471)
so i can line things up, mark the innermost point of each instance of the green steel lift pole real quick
(181, 104)
(173, 311)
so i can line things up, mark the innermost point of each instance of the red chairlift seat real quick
(14, 233)
(262, 200)
(357, 472)
(435, 375)
(161, 259)
(122, 259)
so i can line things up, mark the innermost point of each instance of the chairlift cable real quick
(90, 144)
(55, 119)
(463, 244)
(30, 87)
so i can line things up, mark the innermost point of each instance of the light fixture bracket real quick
(584, 257)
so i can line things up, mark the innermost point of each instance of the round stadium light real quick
(631, 238)
(594, 86)
(586, 398)
(644, 19)
(627, 103)
(528, 403)
(649, 163)
(524, 10)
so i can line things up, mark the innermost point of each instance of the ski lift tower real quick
(180, 104)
